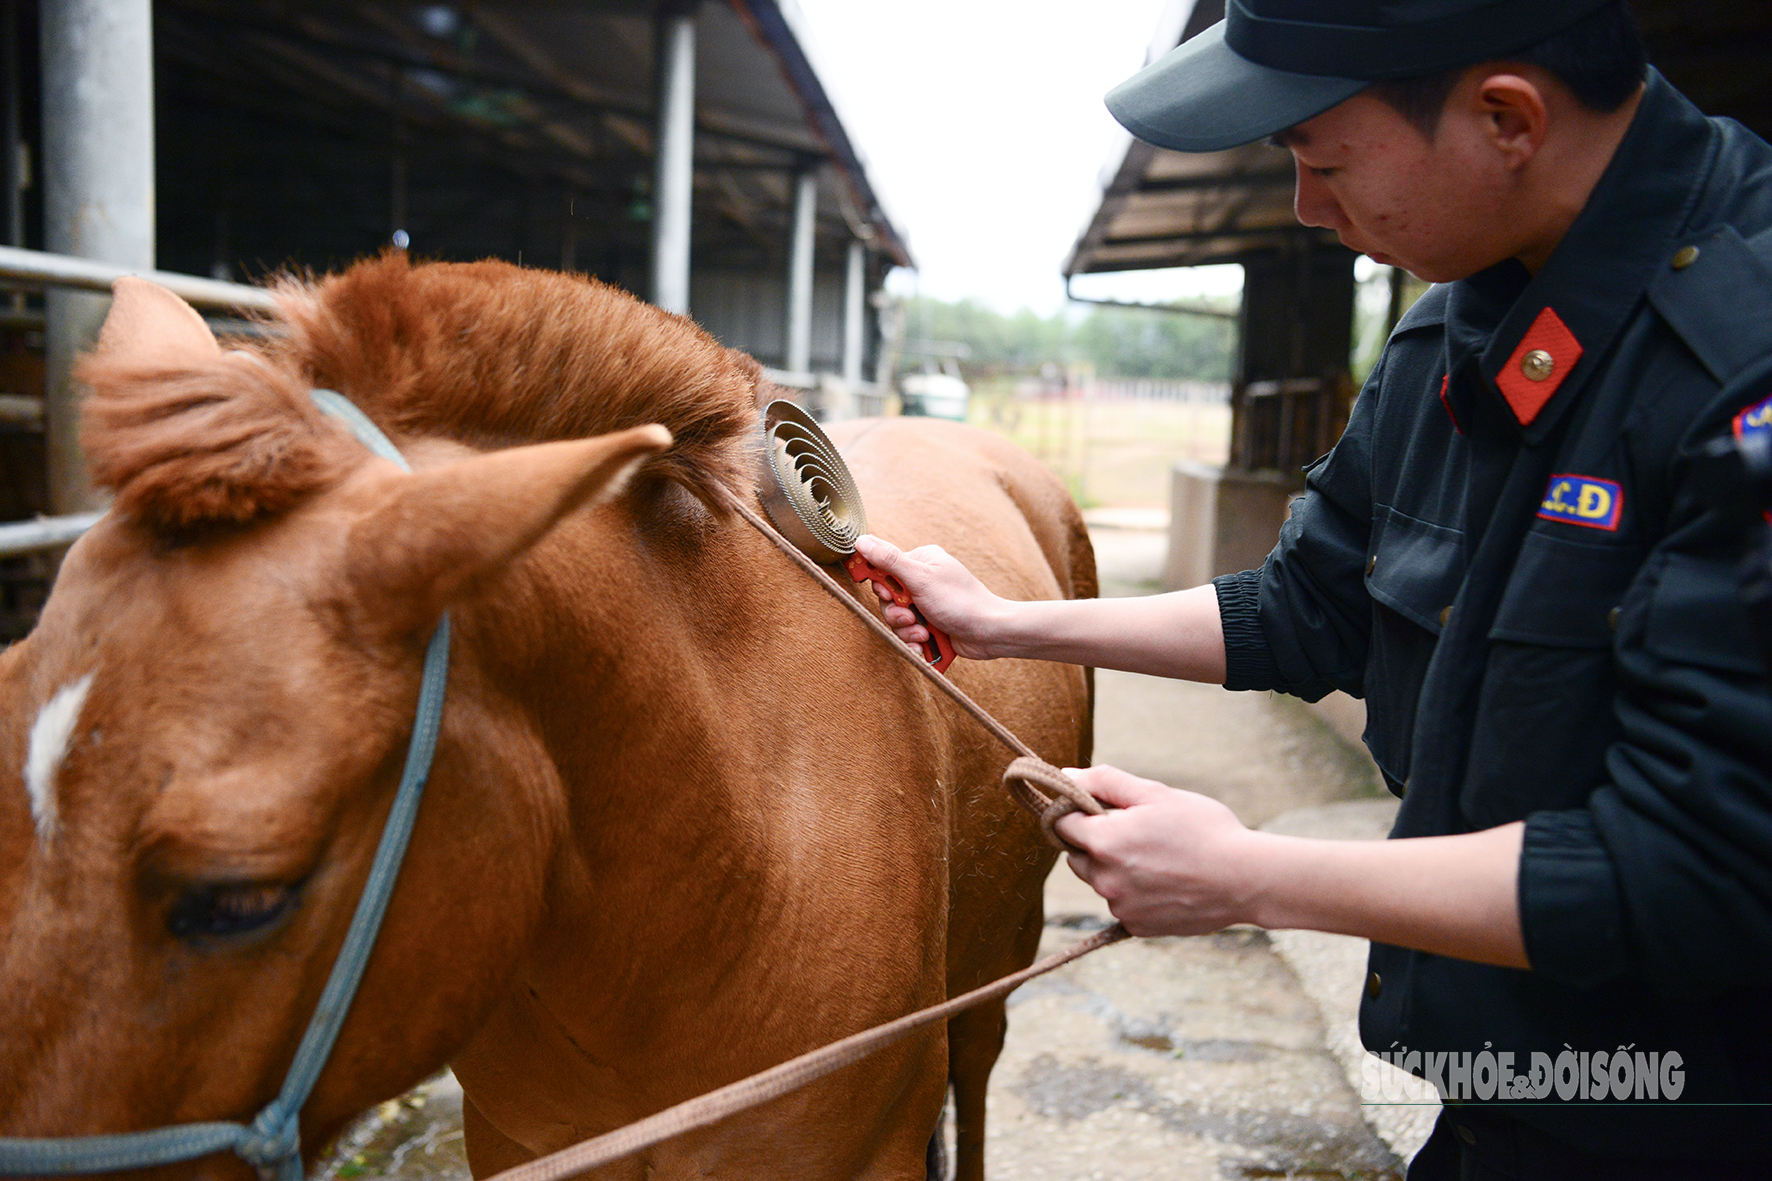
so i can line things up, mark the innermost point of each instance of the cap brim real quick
(1202, 96)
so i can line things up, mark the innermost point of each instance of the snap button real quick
(1538, 365)
(1465, 1134)
(1445, 614)
(1684, 257)
(1612, 617)
(1374, 985)
(1371, 565)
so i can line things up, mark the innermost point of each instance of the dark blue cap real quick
(1271, 64)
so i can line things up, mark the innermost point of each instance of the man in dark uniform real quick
(1506, 555)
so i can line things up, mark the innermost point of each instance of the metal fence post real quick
(799, 334)
(854, 308)
(673, 182)
(98, 191)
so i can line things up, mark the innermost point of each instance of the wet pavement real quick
(1220, 1057)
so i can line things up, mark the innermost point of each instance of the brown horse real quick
(687, 817)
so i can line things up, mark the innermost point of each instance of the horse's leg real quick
(489, 1150)
(975, 1038)
(935, 1160)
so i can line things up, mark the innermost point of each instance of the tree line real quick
(1116, 342)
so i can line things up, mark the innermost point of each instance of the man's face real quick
(1431, 206)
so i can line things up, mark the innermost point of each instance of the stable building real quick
(685, 150)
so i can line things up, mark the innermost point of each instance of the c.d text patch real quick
(1583, 500)
(1755, 420)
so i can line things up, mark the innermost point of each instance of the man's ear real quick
(1516, 115)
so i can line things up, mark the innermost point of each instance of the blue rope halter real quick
(272, 1141)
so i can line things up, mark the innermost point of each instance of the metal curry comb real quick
(813, 501)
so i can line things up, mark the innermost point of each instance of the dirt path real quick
(1156, 1060)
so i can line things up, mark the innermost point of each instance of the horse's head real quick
(199, 742)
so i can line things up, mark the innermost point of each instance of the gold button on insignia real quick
(1445, 614)
(1684, 257)
(1374, 985)
(1612, 617)
(1537, 365)
(1371, 565)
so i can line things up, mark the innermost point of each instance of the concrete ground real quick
(1225, 1056)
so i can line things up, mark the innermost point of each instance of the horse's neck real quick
(638, 643)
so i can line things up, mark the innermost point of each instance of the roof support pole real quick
(799, 358)
(398, 141)
(98, 192)
(12, 169)
(854, 309)
(674, 159)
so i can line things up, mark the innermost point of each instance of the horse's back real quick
(926, 480)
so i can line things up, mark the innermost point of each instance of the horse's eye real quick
(230, 908)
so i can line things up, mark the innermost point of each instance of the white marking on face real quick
(50, 735)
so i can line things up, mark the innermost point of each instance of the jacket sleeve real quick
(1300, 623)
(1666, 874)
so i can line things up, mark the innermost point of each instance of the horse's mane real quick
(485, 353)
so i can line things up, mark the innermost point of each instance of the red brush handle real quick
(938, 650)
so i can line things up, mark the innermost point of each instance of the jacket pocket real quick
(1545, 717)
(1413, 574)
(1562, 593)
(1696, 618)
(1416, 568)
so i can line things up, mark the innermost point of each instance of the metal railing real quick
(36, 269)
(25, 537)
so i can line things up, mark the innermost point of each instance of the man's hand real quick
(945, 592)
(1172, 635)
(1168, 862)
(1176, 863)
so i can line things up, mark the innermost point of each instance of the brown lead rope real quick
(777, 1081)
(1036, 784)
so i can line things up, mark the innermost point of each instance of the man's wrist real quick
(1260, 891)
(1008, 628)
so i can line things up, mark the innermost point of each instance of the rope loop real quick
(1049, 794)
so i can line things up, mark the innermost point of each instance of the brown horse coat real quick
(687, 818)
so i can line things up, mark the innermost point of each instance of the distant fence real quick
(1150, 389)
(1156, 389)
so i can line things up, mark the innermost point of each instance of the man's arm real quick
(1171, 635)
(1175, 863)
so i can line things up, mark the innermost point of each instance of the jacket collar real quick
(1538, 339)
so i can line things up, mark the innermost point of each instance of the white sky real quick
(984, 131)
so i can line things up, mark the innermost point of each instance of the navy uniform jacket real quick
(1506, 557)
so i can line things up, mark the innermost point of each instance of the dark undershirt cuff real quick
(1571, 913)
(1248, 661)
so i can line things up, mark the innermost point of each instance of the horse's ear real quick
(437, 531)
(151, 328)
